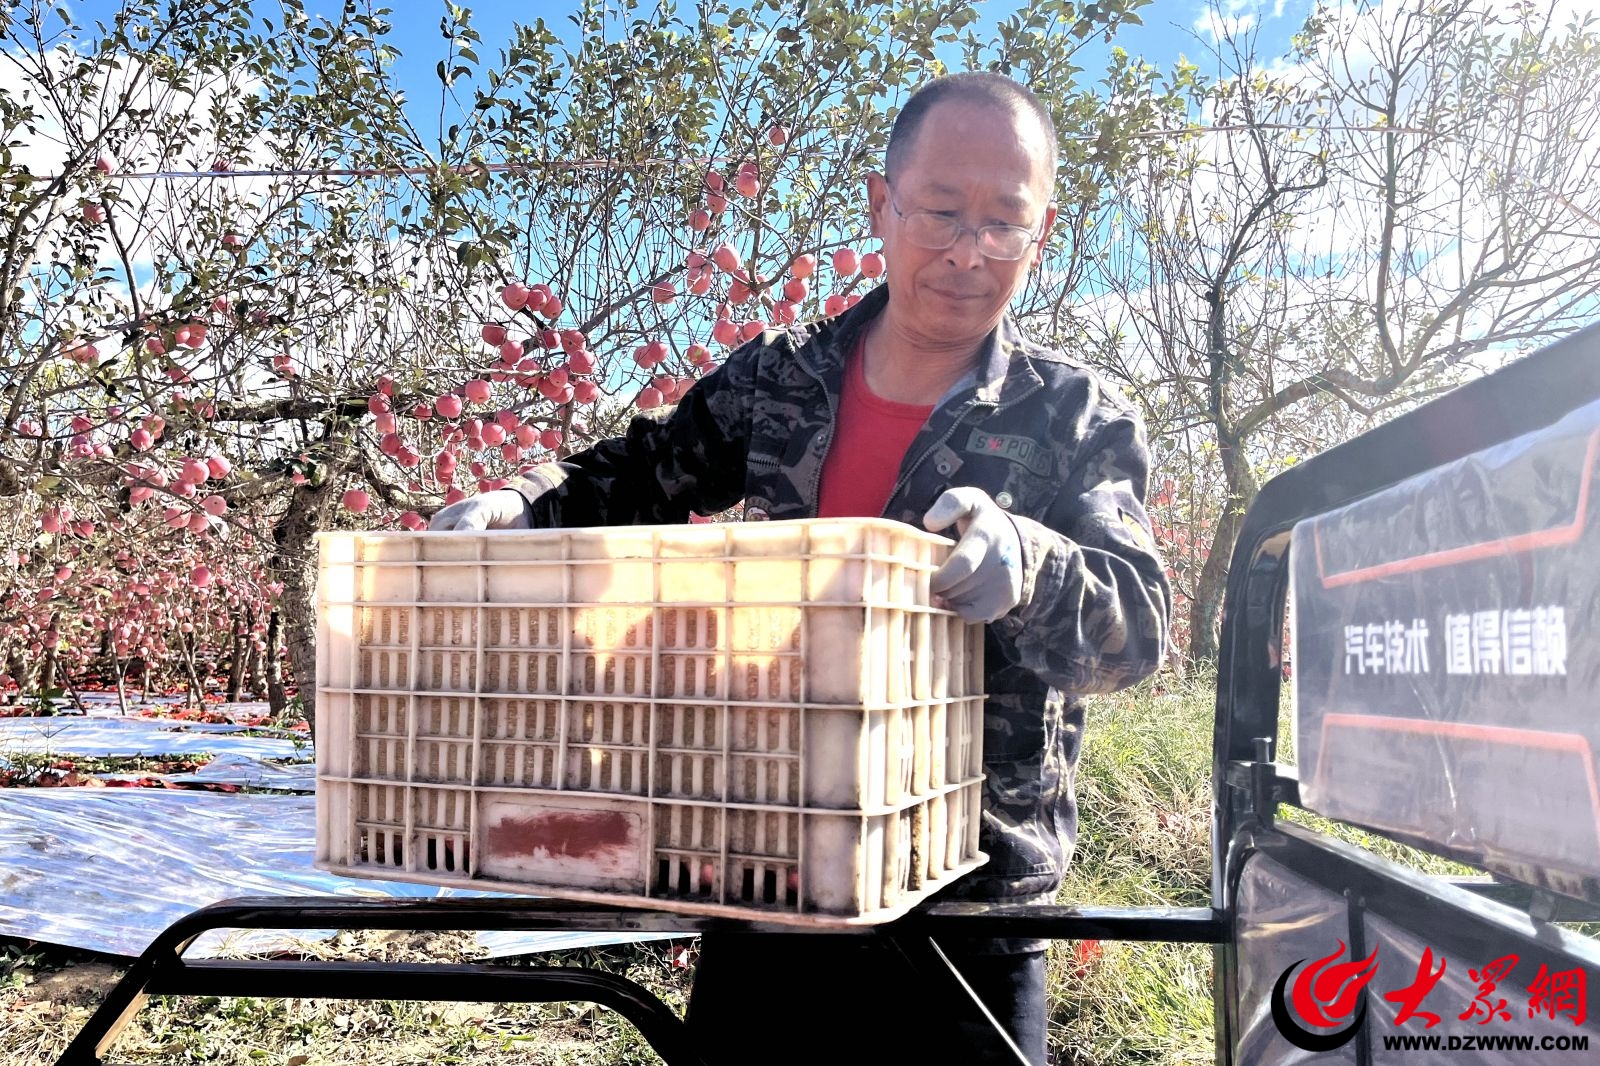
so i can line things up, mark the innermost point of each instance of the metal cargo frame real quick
(1248, 788)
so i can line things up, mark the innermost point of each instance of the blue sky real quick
(1172, 28)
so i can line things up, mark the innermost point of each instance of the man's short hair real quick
(972, 86)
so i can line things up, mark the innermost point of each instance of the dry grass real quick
(1144, 798)
(44, 1006)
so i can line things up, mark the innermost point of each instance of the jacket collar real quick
(1003, 373)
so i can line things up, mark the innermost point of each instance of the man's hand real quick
(500, 509)
(982, 579)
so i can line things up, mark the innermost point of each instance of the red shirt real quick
(869, 444)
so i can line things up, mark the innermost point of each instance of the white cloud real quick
(1214, 25)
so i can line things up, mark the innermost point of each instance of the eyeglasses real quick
(936, 232)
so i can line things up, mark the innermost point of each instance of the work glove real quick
(982, 579)
(500, 509)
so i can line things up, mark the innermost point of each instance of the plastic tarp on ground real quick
(109, 869)
(128, 737)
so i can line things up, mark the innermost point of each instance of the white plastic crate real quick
(722, 719)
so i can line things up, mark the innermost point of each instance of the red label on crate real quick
(568, 846)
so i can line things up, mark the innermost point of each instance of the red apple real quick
(515, 296)
(726, 256)
(649, 397)
(699, 219)
(200, 577)
(872, 265)
(494, 335)
(846, 262)
(355, 500)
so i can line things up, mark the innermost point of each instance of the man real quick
(946, 416)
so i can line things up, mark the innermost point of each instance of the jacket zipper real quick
(955, 423)
(827, 445)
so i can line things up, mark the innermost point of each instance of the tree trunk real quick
(197, 688)
(17, 667)
(122, 691)
(252, 662)
(108, 652)
(47, 666)
(236, 661)
(1205, 611)
(277, 700)
(294, 563)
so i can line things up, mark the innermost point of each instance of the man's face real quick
(980, 165)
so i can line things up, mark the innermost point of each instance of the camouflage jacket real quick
(1042, 435)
